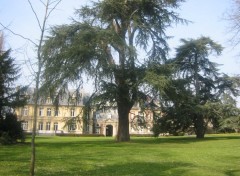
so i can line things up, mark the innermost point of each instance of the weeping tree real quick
(105, 44)
(195, 88)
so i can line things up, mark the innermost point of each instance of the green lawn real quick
(216, 155)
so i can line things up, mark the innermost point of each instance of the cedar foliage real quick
(104, 44)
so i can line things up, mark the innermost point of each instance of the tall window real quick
(41, 111)
(56, 112)
(49, 111)
(48, 101)
(88, 128)
(48, 126)
(25, 125)
(40, 126)
(72, 112)
(55, 126)
(98, 129)
(25, 111)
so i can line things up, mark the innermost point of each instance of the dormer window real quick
(49, 100)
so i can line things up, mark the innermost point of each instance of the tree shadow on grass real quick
(183, 139)
(127, 169)
(232, 172)
(111, 142)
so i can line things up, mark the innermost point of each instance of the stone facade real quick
(67, 117)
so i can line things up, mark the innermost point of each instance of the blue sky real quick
(207, 18)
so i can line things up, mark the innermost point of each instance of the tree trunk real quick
(33, 145)
(200, 129)
(124, 106)
(123, 123)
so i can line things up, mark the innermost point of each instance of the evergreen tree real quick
(195, 88)
(10, 98)
(104, 44)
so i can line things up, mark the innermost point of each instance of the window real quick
(49, 112)
(72, 127)
(56, 112)
(72, 113)
(88, 128)
(25, 111)
(25, 125)
(72, 100)
(55, 126)
(98, 129)
(48, 126)
(49, 101)
(41, 111)
(40, 126)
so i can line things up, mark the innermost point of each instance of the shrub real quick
(10, 130)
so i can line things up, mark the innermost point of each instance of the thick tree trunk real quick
(123, 123)
(200, 128)
(124, 106)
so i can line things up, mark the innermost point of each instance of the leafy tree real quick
(104, 44)
(229, 115)
(196, 87)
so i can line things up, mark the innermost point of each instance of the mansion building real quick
(67, 117)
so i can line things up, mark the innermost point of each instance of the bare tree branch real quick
(35, 14)
(57, 2)
(1, 42)
(234, 18)
(43, 3)
(19, 35)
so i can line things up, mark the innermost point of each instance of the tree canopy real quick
(10, 98)
(105, 44)
(196, 87)
(9, 73)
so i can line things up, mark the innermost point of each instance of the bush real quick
(10, 130)
(141, 135)
(5, 139)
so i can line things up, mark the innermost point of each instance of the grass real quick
(216, 155)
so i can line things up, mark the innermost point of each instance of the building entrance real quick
(109, 130)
